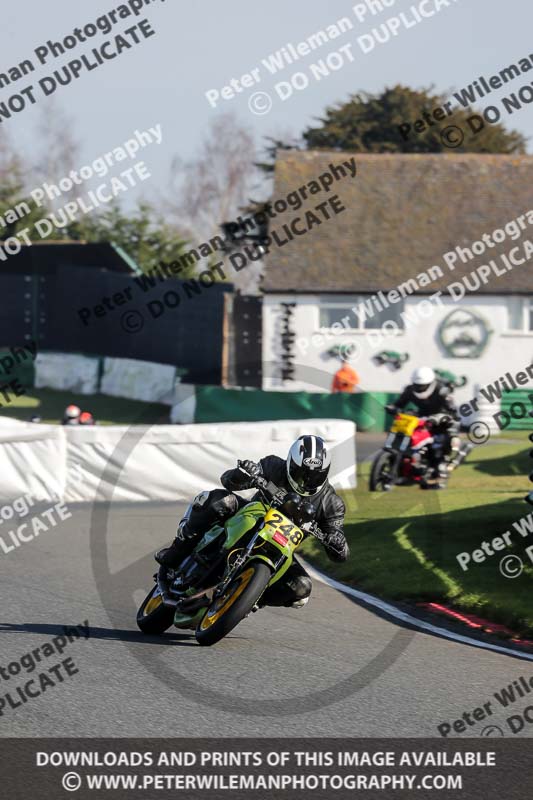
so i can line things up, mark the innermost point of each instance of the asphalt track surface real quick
(333, 668)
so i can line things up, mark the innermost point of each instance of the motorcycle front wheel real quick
(237, 601)
(383, 473)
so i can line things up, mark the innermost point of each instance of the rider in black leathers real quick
(307, 479)
(432, 398)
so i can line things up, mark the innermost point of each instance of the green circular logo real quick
(464, 334)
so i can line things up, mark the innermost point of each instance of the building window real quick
(362, 312)
(520, 314)
(333, 313)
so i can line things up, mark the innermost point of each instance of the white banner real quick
(141, 463)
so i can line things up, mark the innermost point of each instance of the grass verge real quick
(50, 405)
(404, 543)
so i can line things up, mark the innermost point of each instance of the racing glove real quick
(251, 468)
(241, 477)
(336, 546)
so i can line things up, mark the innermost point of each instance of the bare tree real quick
(13, 185)
(10, 161)
(218, 182)
(58, 146)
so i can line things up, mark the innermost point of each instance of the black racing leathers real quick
(328, 506)
(440, 406)
(438, 402)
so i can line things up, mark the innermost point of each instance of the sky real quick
(201, 46)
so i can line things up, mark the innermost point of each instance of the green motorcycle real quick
(224, 578)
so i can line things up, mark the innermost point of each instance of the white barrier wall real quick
(183, 411)
(33, 460)
(67, 373)
(122, 377)
(138, 380)
(163, 462)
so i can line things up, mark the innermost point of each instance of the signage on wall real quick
(464, 334)
(342, 351)
(391, 358)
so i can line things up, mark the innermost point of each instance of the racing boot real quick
(436, 478)
(182, 546)
(460, 455)
(442, 479)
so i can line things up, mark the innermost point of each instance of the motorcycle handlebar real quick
(258, 482)
(272, 491)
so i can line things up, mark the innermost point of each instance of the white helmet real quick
(72, 412)
(424, 382)
(308, 465)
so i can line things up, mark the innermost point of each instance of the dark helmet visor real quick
(307, 479)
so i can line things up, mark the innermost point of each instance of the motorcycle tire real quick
(376, 482)
(153, 618)
(227, 611)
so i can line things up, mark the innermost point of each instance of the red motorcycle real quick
(410, 455)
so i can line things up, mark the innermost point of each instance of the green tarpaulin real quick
(214, 404)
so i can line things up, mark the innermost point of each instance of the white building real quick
(431, 258)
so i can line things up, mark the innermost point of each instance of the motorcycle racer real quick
(305, 472)
(432, 399)
(71, 415)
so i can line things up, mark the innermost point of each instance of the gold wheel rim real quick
(219, 608)
(152, 605)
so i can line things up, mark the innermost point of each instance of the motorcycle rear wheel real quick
(237, 601)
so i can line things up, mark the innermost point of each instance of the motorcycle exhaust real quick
(164, 589)
(183, 602)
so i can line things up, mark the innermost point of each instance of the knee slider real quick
(301, 587)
